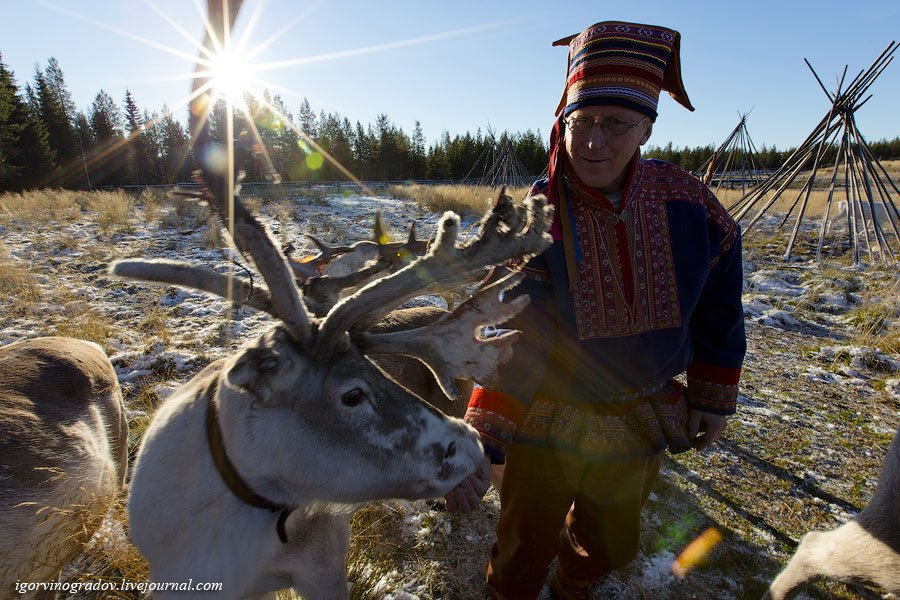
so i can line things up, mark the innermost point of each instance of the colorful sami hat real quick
(622, 64)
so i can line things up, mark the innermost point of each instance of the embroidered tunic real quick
(657, 293)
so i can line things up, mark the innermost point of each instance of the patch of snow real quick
(820, 374)
(775, 283)
(892, 387)
(778, 318)
(835, 302)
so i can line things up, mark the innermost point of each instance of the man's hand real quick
(468, 494)
(708, 425)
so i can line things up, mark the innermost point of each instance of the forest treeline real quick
(46, 141)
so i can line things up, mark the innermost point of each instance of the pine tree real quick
(417, 157)
(108, 166)
(138, 165)
(54, 104)
(26, 159)
(174, 149)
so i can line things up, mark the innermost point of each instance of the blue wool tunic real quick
(657, 293)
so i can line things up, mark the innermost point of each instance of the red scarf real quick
(561, 173)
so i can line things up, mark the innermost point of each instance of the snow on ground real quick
(809, 378)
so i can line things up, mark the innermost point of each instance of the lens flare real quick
(231, 74)
(314, 161)
(695, 552)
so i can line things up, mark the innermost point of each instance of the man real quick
(642, 283)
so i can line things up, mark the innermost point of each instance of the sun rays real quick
(232, 74)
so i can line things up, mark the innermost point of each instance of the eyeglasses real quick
(608, 125)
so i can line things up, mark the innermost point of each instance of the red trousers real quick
(559, 504)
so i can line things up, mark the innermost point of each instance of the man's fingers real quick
(704, 428)
(452, 504)
(481, 482)
(468, 494)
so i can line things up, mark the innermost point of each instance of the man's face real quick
(600, 159)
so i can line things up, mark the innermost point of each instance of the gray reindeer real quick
(248, 474)
(865, 549)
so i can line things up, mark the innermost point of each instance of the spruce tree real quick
(54, 104)
(106, 123)
(138, 166)
(174, 148)
(417, 159)
(26, 159)
(10, 129)
(153, 138)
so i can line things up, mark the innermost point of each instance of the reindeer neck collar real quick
(228, 472)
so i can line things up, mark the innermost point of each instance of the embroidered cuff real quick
(496, 416)
(713, 389)
(496, 432)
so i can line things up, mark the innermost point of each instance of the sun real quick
(231, 75)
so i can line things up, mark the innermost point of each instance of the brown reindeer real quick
(63, 454)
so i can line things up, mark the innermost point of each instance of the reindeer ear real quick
(253, 371)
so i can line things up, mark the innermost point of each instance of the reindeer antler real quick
(451, 347)
(510, 230)
(312, 267)
(248, 234)
(194, 276)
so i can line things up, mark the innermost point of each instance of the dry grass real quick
(114, 210)
(110, 558)
(877, 317)
(183, 213)
(17, 283)
(891, 166)
(154, 325)
(26, 209)
(151, 202)
(818, 198)
(815, 206)
(85, 325)
(41, 206)
(466, 200)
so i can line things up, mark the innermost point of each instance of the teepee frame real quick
(865, 181)
(735, 162)
(499, 165)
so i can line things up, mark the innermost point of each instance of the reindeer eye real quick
(354, 397)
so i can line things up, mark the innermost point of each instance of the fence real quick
(296, 188)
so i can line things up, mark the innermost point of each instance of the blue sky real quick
(465, 65)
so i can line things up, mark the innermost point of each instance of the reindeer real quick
(247, 475)
(337, 261)
(63, 443)
(866, 548)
